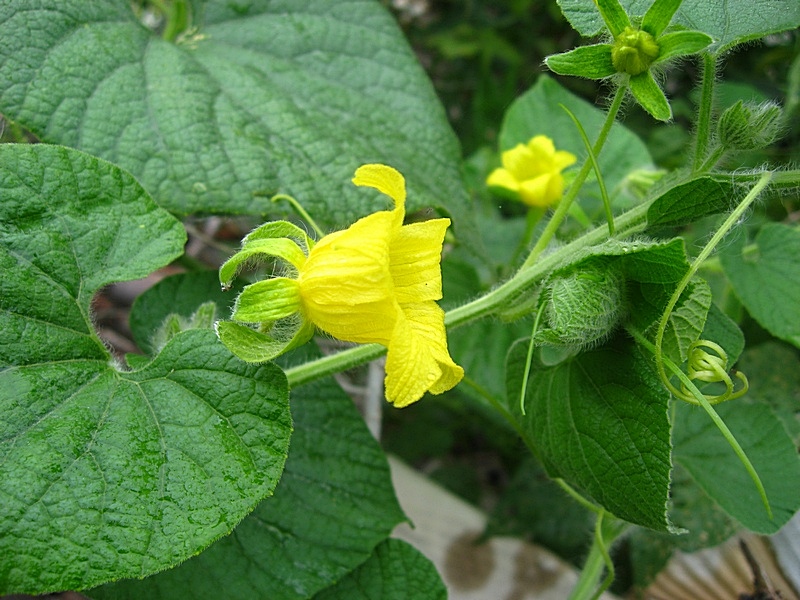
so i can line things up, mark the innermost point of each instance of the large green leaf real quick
(766, 278)
(106, 473)
(729, 22)
(256, 97)
(333, 504)
(396, 571)
(538, 111)
(599, 421)
(708, 457)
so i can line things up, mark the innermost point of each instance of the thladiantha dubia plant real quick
(600, 320)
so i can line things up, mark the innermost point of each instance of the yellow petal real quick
(384, 179)
(417, 360)
(541, 145)
(415, 254)
(504, 179)
(555, 188)
(519, 162)
(533, 192)
(562, 159)
(345, 283)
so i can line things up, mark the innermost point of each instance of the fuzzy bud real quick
(750, 126)
(582, 307)
(634, 51)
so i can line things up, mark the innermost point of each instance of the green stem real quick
(335, 363)
(526, 374)
(300, 211)
(574, 188)
(532, 219)
(703, 126)
(590, 151)
(496, 403)
(589, 585)
(628, 223)
(704, 254)
(781, 180)
(712, 160)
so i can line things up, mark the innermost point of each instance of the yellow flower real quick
(378, 281)
(532, 172)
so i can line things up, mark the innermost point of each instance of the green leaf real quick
(708, 457)
(686, 321)
(614, 15)
(260, 97)
(778, 388)
(599, 420)
(729, 22)
(659, 15)
(689, 201)
(650, 96)
(593, 62)
(766, 278)
(70, 225)
(537, 111)
(681, 43)
(395, 571)
(334, 503)
(720, 328)
(109, 473)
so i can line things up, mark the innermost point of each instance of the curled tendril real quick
(711, 367)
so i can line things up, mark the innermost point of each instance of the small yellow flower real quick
(378, 281)
(532, 172)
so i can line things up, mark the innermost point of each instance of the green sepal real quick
(647, 93)
(256, 346)
(614, 15)
(682, 43)
(592, 62)
(268, 300)
(281, 229)
(659, 15)
(283, 248)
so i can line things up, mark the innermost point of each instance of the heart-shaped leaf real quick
(107, 473)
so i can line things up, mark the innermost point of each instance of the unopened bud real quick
(750, 126)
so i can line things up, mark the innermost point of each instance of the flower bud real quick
(583, 306)
(750, 126)
(634, 51)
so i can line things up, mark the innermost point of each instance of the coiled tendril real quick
(711, 368)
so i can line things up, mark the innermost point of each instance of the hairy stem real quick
(703, 125)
